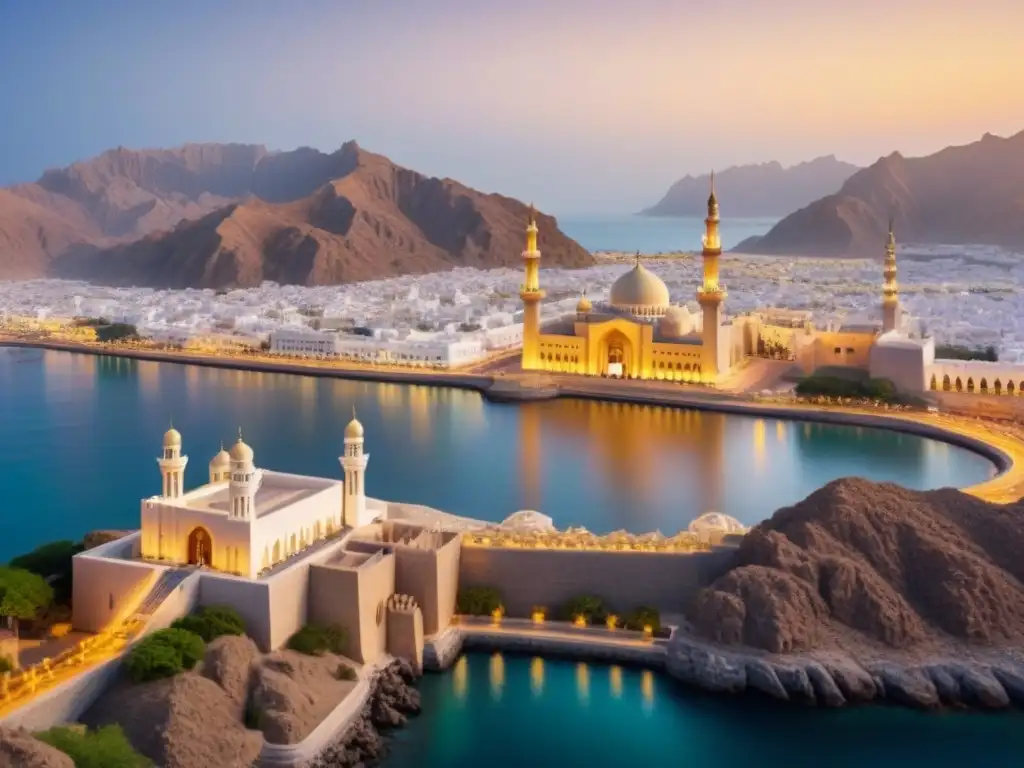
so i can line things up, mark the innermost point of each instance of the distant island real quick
(972, 194)
(233, 215)
(765, 189)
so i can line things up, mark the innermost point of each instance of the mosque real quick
(638, 333)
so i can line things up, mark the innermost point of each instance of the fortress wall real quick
(448, 559)
(250, 598)
(626, 580)
(989, 406)
(103, 589)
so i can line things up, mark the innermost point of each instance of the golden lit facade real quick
(637, 333)
(890, 288)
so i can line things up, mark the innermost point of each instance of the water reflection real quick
(583, 683)
(647, 690)
(537, 676)
(615, 681)
(460, 678)
(497, 676)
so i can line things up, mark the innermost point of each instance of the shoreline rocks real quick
(392, 700)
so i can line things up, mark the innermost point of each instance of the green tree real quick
(212, 621)
(52, 561)
(23, 594)
(478, 601)
(590, 607)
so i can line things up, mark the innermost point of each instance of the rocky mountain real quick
(225, 215)
(765, 189)
(966, 194)
(888, 565)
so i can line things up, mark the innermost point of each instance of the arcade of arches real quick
(971, 385)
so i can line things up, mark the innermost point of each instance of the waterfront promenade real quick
(1000, 442)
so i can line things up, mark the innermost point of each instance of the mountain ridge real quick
(756, 189)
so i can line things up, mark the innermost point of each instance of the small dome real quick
(639, 288)
(584, 304)
(528, 521)
(172, 438)
(222, 459)
(354, 430)
(240, 451)
(716, 522)
(676, 322)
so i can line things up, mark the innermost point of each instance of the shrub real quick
(590, 607)
(23, 594)
(52, 561)
(836, 386)
(165, 653)
(6, 665)
(106, 747)
(212, 621)
(316, 640)
(345, 672)
(478, 601)
(641, 617)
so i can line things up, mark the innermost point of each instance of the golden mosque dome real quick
(584, 304)
(354, 430)
(222, 459)
(172, 438)
(240, 451)
(639, 289)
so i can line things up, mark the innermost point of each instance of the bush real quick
(6, 664)
(590, 607)
(52, 561)
(212, 621)
(478, 601)
(316, 640)
(345, 672)
(23, 594)
(641, 617)
(165, 653)
(836, 386)
(104, 748)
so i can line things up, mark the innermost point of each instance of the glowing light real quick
(460, 678)
(579, 620)
(538, 615)
(648, 632)
(537, 675)
(612, 621)
(647, 689)
(496, 615)
(497, 675)
(583, 682)
(615, 681)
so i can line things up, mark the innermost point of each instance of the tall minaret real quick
(531, 294)
(353, 513)
(890, 289)
(244, 481)
(711, 295)
(172, 465)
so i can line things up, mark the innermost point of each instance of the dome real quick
(639, 288)
(676, 322)
(240, 451)
(354, 430)
(528, 521)
(222, 459)
(716, 522)
(172, 438)
(584, 305)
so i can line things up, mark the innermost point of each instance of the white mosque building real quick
(246, 520)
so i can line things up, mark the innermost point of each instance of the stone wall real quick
(528, 577)
(405, 630)
(104, 590)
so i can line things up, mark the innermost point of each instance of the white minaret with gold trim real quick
(532, 295)
(711, 295)
(172, 465)
(890, 288)
(353, 463)
(244, 481)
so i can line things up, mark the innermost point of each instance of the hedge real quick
(478, 601)
(212, 621)
(165, 653)
(104, 748)
(317, 639)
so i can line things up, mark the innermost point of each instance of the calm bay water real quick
(654, 234)
(79, 436)
(509, 711)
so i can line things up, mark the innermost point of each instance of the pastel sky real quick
(585, 106)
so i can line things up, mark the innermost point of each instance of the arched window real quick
(946, 386)
(1009, 388)
(933, 386)
(970, 383)
(998, 387)
(959, 385)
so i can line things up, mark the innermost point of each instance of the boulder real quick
(909, 686)
(716, 673)
(945, 684)
(1012, 681)
(852, 679)
(796, 682)
(761, 677)
(20, 749)
(230, 662)
(979, 687)
(826, 691)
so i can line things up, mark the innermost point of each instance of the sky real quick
(583, 106)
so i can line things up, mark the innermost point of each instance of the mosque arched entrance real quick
(616, 357)
(200, 547)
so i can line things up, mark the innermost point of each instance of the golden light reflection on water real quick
(583, 683)
(780, 431)
(460, 678)
(647, 690)
(497, 675)
(615, 681)
(760, 452)
(537, 675)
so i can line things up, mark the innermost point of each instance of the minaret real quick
(220, 466)
(244, 481)
(353, 513)
(172, 465)
(531, 294)
(890, 289)
(711, 294)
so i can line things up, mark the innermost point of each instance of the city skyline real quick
(584, 108)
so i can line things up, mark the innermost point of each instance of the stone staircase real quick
(164, 586)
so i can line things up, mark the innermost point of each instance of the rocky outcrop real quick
(391, 701)
(230, 662)
(20, 749)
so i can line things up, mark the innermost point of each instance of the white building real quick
(383, 347)
(246, 520)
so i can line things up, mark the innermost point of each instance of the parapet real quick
(405, 629)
